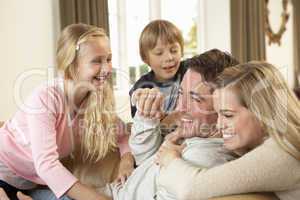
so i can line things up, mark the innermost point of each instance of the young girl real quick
(73, 115)
(259, 119)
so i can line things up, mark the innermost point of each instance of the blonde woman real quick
(73, 113)
(259, 117)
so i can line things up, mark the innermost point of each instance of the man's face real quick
(195, 100)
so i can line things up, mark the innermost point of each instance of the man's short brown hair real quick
(211, 63)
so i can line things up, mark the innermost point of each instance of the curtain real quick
(248, 29)
(93, 12)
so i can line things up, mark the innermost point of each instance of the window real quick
(185, 19)
(127, 18)
(204, 24)
(126, 24)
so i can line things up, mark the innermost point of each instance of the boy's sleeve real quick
(133, 110)
(146, 81)
(145, 138)
(132, 107)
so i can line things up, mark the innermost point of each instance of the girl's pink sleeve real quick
(43, 139)
(123, 137)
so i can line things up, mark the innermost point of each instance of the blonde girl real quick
(74, 115)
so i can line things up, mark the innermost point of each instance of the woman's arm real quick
(266, 168)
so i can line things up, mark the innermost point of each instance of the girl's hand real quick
(3, 195)
(169, 151)
(20, 196)
(125, 169)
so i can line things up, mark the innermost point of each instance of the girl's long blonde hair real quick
(262, 89)
(99, 125)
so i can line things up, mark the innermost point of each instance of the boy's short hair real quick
(211, 63)
(156, 29)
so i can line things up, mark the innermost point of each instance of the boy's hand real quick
(149, 102)
(125, 169)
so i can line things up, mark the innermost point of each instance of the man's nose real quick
(220, 124)
(182, 104)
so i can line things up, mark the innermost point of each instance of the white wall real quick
(214, 25)
(281, 56)
(28, 33)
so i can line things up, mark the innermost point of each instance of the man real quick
(194, 117)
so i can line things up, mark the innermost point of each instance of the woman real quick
(73, 115)
(259, 117)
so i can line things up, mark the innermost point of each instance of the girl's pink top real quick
(39, 135)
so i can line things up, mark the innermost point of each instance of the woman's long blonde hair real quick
(99, 125)
(262, 89)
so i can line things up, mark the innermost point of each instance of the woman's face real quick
(94, 61)
(240, 128)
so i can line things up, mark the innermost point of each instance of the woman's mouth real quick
(227, 135)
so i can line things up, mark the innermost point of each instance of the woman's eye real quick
(228, 115)
(158, 53)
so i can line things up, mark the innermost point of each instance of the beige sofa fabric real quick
(262, 196)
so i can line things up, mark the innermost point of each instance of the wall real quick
(281, 56)
(28, 33)
(214, 25)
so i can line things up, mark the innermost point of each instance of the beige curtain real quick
(296, 27)
(248, 29)
(94, 12)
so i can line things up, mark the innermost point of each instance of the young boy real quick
(161, 47)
